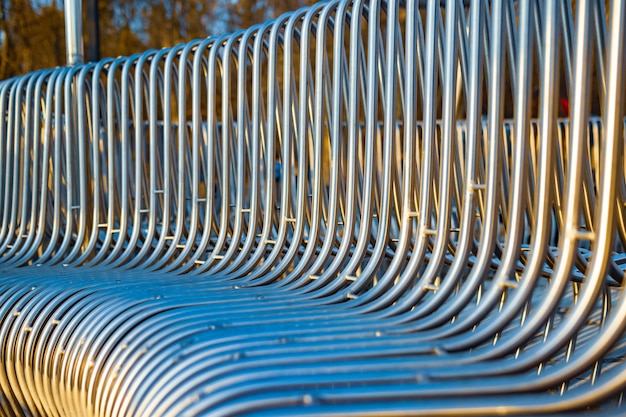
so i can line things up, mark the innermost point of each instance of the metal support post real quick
(74, 32)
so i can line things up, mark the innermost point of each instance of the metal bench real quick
(359, 208)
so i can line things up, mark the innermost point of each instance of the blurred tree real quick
(32, 36)
(242, 14)
(280, 7)
(119, 32)
(245, 13)
(170, 22)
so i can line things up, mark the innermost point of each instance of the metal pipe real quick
(305, 218)
(93, 31)
(74, 32)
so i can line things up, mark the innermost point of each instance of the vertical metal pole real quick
(93, 31)
(74, 32)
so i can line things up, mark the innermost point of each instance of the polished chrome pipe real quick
(74, 32)
(360, 207)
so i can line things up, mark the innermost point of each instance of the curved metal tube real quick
(358, 208)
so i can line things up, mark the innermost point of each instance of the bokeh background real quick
(32, 33)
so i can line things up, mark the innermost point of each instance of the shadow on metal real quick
(359, 208)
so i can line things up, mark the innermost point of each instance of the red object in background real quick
(564, 106)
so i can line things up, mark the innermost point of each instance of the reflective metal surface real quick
(74, 32)
(359, 208)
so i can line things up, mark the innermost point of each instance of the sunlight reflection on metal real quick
(359, 208)
(74, 32)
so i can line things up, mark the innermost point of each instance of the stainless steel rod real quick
(358, 208)
(74, 32)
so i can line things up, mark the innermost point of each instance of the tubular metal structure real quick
(74, 32)
(358, 208)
